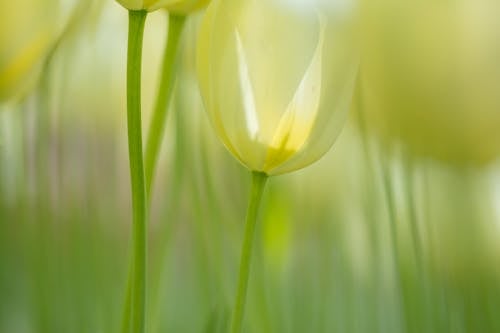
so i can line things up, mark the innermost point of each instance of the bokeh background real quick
(396, 229)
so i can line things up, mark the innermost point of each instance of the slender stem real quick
(137, 284)
(391, 209)
(393, 225)
(369, 204)
(127, 308)
(156, 130)
(172, 209)
(167, 82)
(412, 206)
(259, 180)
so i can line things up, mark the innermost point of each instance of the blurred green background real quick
(397, 229)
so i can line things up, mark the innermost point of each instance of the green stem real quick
(393, 226)
(412, 206)
(136, 300)
(157, 128)
(167, 82)
(259, 180)
(391, 210)
(172, 209)
(127, 308)
(369, 203)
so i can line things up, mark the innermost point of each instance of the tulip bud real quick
(175, 6)
(277, 77)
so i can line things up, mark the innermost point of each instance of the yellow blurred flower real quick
(433, 76)
(30, 31)
(184, 7)
(175, 6)
(277, 78)
(27, 31)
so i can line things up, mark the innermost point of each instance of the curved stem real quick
(167, 82)
(136, 301)
(259, 180)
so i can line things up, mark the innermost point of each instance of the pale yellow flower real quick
(184, 7)
(433, 77)
(30, 32)
(175, 6)
(277, 78)
(27, 31)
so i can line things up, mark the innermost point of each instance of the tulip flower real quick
(432, 77)
(184, 7)
(26, 37)
(277, 78)
(174, 6)
(29, 35)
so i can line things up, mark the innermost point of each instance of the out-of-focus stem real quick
(167, 82)
(411, 201)
(135, 307)
(393, 225)
(259, 181)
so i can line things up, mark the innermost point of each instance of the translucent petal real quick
(176, 6)
(264, 68)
